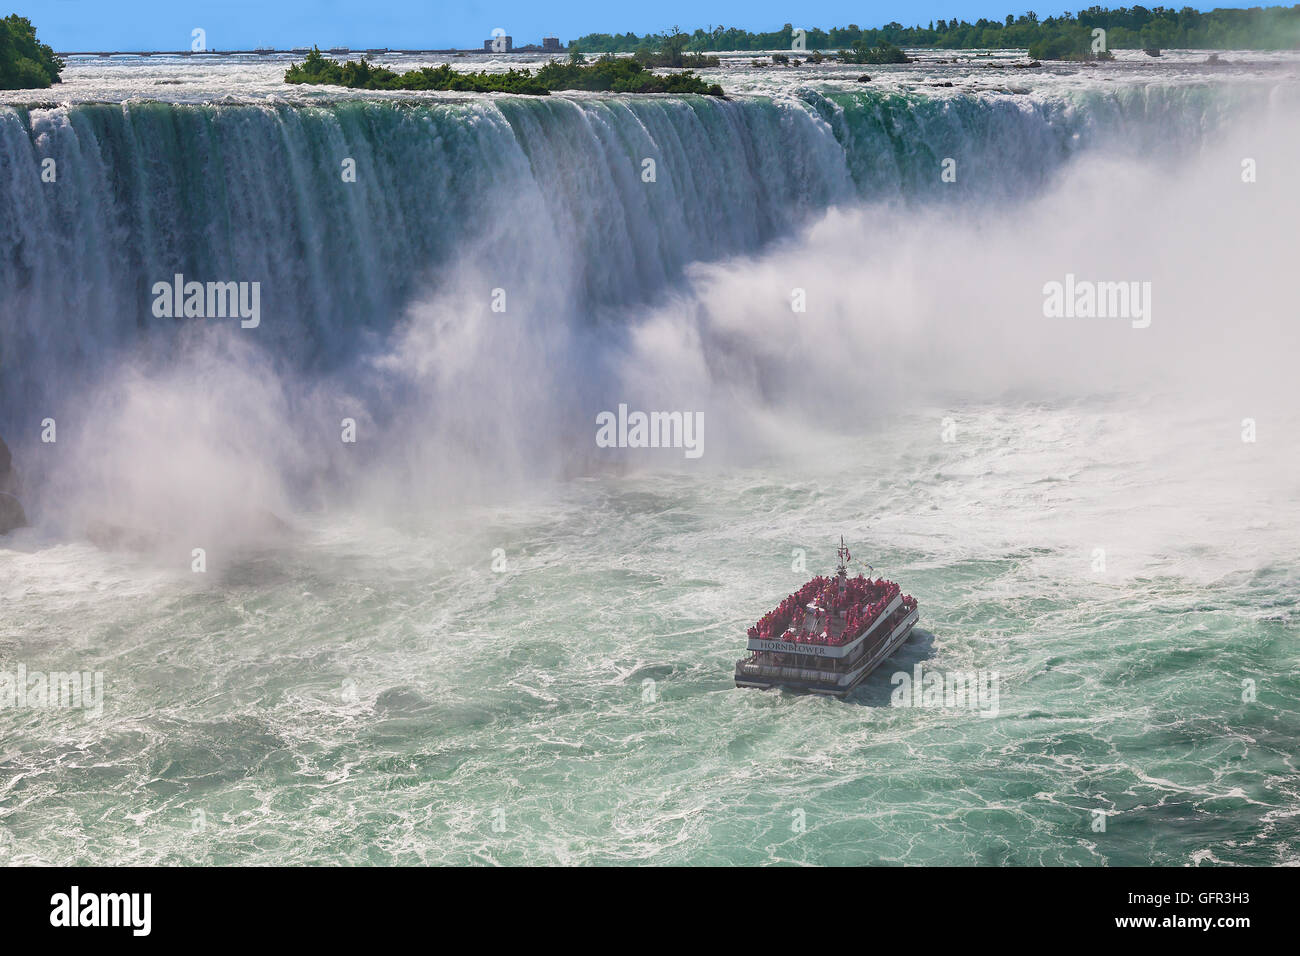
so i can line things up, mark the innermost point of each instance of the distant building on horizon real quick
(499, 45)
(551, 45)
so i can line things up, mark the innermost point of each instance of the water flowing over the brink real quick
(528, 188)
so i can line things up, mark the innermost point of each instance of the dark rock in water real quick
(269, 521)
(1152, 51)
(112, 537)
(1215, 61)
(11, 510)
(8, 474)
(864, 78)
(11, 513)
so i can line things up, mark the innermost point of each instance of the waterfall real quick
(377, 289)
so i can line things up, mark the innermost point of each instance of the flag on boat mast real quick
(846, 557)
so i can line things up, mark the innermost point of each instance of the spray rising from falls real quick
(571, 216)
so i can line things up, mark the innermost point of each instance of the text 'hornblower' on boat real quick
(829, 635)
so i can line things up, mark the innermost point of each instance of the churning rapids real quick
(475, 634)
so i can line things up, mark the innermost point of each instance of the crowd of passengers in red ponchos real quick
(861, 602)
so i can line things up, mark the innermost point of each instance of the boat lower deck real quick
(754, 672)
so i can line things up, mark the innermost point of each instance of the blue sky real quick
(246, 24)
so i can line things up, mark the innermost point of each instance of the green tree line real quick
(1127, 28)
(607, 74)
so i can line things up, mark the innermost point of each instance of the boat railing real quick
(751, 667)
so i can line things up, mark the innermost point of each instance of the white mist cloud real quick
(200, 450)
(946, 304)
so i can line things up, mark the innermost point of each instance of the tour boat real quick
(829, 635)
